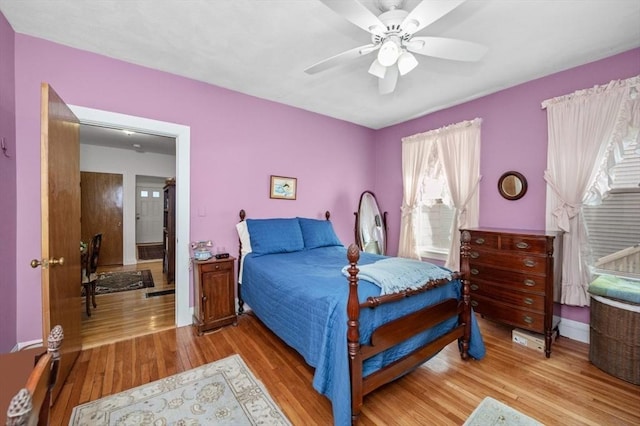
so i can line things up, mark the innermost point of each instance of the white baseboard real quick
(574, 330)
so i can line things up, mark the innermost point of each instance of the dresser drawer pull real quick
(479, 240)
(474, 303)
(474, 286)
(474, 254)
(528, 301)
(529, 263)
(522, 245)
(474, 271)
(529, 283)
(527, 319)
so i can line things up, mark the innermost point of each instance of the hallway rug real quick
(224, 392)
(112, 282)
(150, 251)
(493, 412)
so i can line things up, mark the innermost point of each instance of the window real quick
(613, 227)
(435, 219)
(144, 194)
(155, 194)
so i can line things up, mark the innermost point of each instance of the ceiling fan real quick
(392, 35)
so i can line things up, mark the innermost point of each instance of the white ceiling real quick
(261, 47)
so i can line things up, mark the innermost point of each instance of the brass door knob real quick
(45, 263)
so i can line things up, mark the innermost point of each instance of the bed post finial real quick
(242, 215)
(327, 215)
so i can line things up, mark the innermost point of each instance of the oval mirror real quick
(371, 225)
(512, 185)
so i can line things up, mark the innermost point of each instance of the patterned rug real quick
(150, 251)
(492, 412)
(224, 392)
(112, 282)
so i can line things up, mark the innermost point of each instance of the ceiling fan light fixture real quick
(377, 69)
(388, 53)
(414, 44)
(406, 63)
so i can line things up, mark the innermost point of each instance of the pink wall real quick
(7, 189)
(514, 137)
(237, 141)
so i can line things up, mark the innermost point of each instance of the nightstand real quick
(214, 282)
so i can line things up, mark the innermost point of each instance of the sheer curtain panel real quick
(583, 129)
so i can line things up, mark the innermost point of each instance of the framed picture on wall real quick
(283, 188)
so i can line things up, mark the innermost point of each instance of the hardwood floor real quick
(562, 390)
(128, 314)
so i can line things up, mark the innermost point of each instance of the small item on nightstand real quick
(222, 255)
(201, 249)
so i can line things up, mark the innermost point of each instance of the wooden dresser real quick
(215, 291)
(513, 274)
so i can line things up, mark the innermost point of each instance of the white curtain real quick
(457, 149)
(415, 155)
(582, 129)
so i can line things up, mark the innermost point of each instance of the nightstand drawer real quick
(216, 266)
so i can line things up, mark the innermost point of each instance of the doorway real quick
(182, 135)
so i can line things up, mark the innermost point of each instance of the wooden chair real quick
(90, 276)
(30, 406)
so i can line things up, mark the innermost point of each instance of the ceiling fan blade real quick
(341, 58)
(357, 14)
(447, 48)
(387, 84)
(428, 12)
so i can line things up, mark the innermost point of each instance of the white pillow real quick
(245, 240)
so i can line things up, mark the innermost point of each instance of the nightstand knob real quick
(474, 254)
(479, 240)
(474, 286)
(204, 298)
(528, 301)
(474, 303)
(529, 282)
(522, 245)
(528, 319)
(529, 263)
(474, 271)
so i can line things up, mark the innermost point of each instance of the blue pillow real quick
(318, 233)
(274, 235)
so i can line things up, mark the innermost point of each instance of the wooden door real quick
(101, 211)
(60, 198)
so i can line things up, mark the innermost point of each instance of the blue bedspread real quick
(302, 297)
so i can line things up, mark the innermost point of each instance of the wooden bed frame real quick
(399, 330)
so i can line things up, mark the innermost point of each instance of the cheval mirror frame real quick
(371, 225)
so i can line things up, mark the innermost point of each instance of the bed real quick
(304, 285)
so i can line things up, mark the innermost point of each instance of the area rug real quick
(112, 282)
(224, 392)
(491, 412)
(150, 251)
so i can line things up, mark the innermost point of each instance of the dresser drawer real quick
(216, 266)
(507, 260)
(520, 318)
(516, 298)
(517, 280)
(484, 240)
(524, 244)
